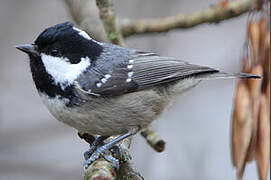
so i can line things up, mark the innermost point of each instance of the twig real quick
(102, 169)
(127, 169)
(86, 15)
(153, 139)
(213, 14)
(127, 172)
(107, 15)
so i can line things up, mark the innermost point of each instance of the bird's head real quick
(64, 51)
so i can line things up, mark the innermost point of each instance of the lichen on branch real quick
(107, 15)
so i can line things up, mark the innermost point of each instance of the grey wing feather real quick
(133, 72)
(155, 70)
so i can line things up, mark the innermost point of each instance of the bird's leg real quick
(93, 146)
(87, 137)
(107, 146)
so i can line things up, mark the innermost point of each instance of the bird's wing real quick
(137, 72)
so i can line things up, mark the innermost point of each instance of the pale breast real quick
(109, 116)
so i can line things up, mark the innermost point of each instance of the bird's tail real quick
(219, 74)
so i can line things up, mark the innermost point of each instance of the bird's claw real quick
(89, 152)
(91, 156)
(94, 156)
(106, 147)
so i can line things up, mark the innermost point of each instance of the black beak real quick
(28, 49)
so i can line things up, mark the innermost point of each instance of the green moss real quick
(112, 36)
(129, 177)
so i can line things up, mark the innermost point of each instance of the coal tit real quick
(104, 89)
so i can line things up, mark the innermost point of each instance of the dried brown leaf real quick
(241, 127)
(263, 141)
(267, 60)
(267, 93)
(254, 36)
(246, 66)
(263, 31)
(254, 85)
(255, 90)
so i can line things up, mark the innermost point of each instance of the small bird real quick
(104, 89)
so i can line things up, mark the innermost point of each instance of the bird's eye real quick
(54, 52)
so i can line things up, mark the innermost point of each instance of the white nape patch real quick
(131, 61)
(130, 74)
(82, 33)
(128, 80)
(62, 71)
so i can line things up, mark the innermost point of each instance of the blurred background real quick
(33, 145)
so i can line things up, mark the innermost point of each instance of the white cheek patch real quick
(82, 33)
(62, 71)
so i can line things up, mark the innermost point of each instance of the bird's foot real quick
(114, 161)
(92, 155)
(89, 152)
(96, 143)
(106, 147)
